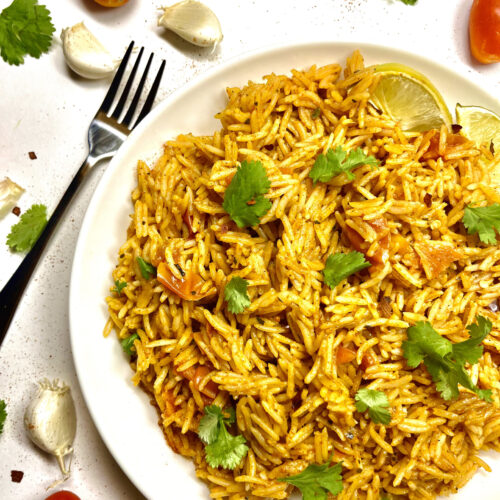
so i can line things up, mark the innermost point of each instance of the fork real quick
(106, 134)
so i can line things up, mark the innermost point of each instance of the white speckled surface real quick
(44, 108)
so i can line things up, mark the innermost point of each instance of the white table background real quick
(46, 109)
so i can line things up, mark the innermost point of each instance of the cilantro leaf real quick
(335, 163)
(147, 269)
(236, 295)
(316, 481)
(424, 341)
(483, 220)
(409, 2)
(25, 29)
(243, 199)
(119, 286)
(471, 350)
(208, 428)
(377, 404)
(226, 451)
(24, 234)
(3, 414)
(209, 425)
(444, 360)
(341, 265)
(222, 449)
(128, 344)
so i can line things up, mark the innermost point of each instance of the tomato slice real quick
(380, 226)
(186, 288)
(196, 375)
(63, 495)
(436, 256)
(345, 355)
(188, 220)
(170, 408)
(111, 3)
(484, 30)
(452, 141)
(369, 359)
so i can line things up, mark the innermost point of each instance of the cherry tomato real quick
(63, 495)
(484, 30)
(111, 3)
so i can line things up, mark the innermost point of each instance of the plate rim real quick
(482, 84)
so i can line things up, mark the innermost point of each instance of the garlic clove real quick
(193, 21)
(10, 192)
(50, 421)
(85, 55)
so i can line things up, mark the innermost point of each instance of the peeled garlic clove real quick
(193, 21)
(10, 192)
(50, 421)
(84, 53)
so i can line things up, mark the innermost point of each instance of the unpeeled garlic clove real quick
(50, 421)
(193, 21)
(85, 55)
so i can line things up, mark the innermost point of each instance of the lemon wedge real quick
(479, 124)
(483, 127)
(409, 98)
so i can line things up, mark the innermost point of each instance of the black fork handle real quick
(13, 291)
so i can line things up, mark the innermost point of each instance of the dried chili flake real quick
(16, 476)
(428, 200)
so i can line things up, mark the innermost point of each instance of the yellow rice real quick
(277, 362)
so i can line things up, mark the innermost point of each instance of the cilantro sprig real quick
(119, 286)
(208, 427)
(3, 414)
(445, 360)
(244, 197)
(377, 404)
(147, 269)
(25, 29)
(24, 234)
(221, 448)
(341, 265)
(483, 220)
(336, 162)
(316, 481)
(128, 344)
(236, 295)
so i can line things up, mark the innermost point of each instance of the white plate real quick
(121, 412)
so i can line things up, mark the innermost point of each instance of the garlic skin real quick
(85, 55)
(193, 21)
(50, 421)
(10, 192)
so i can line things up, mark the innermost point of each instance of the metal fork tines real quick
(106, 134)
